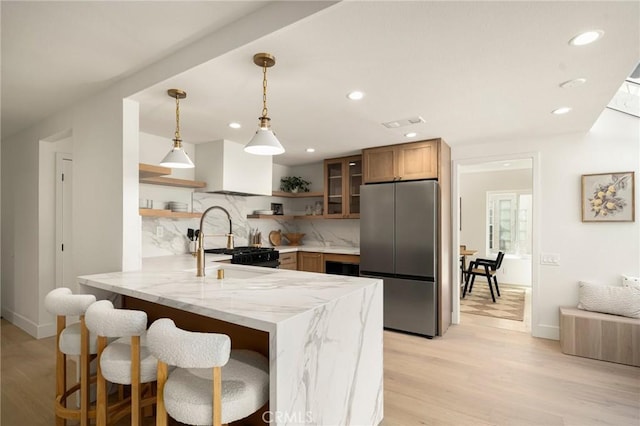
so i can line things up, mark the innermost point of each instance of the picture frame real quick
(277, 208)
(608, 197)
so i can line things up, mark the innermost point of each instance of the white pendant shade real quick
(177, 159)
(264, 142)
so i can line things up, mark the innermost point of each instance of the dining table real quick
(463, 261)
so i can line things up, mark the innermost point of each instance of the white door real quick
(64, 259)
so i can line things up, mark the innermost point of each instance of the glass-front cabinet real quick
(334, 188)
(343, 177)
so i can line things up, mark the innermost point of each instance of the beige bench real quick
(600, 336)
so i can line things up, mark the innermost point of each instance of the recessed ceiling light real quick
(235, 125)
(573, 83)
(355, 95)
(410, 135)
(310, 150)
(560, 111)
(586, 38)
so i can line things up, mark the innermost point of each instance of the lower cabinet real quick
(289, 261)
(310, 262)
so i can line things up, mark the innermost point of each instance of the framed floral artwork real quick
(608, 197)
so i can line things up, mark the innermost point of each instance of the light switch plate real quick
(550, 259)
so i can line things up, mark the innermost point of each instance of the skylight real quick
(627, 98)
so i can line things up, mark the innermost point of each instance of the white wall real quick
(597, 252)
(20, 219)
(473, 190)
(313, 172)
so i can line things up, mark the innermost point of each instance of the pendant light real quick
(264, 142)
(177, 158)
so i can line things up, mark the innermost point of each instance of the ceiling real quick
(475, 71)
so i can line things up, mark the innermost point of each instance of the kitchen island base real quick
(324, 332)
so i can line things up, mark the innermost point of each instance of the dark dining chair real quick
(484, 267)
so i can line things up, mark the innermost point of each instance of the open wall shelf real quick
(168, 213)
(157, 175)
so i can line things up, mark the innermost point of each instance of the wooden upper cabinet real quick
(380, 164)
(418, 161)
(410, 161)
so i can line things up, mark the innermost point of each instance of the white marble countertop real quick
(255, 297)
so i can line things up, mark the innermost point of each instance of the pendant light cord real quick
(264, 90)
(177, 140)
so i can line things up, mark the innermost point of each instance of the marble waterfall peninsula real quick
(323, 334)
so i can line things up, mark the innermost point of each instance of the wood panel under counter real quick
(310, 262)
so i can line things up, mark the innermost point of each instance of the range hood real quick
(227, 169)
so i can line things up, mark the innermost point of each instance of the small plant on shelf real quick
(294, 184)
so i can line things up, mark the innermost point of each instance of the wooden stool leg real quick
(136, 411)
(161, 412)
(61, 367)
(217, 396)
(84, 373)
(101, 387)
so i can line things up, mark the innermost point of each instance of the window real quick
(509, 222)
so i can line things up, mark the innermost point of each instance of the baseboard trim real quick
(28, 326)
(546, 331)
(46, 330)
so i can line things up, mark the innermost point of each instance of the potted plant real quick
(294, 184)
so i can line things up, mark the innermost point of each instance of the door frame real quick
(60, 158)
(535, 243)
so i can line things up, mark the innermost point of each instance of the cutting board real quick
(275, 238)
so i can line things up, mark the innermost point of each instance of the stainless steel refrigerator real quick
(398, 243)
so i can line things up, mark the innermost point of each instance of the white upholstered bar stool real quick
(212, 385)
(125, 361)
(71, 340)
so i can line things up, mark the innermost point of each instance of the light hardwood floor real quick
(476, 374)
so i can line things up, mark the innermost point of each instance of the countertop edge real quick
(319, 249)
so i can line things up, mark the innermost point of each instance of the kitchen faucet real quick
(200, 255)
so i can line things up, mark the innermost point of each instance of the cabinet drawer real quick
(289, 261)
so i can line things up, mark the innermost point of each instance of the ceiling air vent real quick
(405, 122)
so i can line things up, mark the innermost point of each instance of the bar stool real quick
(71, 340)
(212, 384)
(125, 361)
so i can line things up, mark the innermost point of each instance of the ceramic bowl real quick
(294, 238)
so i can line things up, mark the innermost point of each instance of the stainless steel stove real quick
(255, 256)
